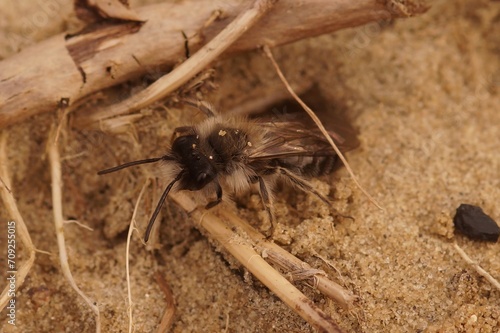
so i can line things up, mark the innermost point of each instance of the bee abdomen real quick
(319, 166)
(314, 166)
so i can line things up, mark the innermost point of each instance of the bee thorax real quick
(228, 145)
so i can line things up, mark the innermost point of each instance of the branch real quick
(244, 252)
(192, 66)
(20, 227)
(75, 66)
(290, 263)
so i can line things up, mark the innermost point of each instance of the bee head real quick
(198, 169)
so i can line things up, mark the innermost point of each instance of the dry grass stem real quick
(227, 323)
(131, 229)
(289, 262)
(121, 124)
(55, 171)
(318, 123)
(63, 119)
(21, 229)
(264, 102)
(184, 72)
(78, 223)
(244, 252)
(476, 266)
(85, 63)
(168, 316)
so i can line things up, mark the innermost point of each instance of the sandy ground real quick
(424, 94)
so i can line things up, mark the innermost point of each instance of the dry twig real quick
(244, 252)
(476, 266)
(78, 65)
(318, 123)
(253, 105)
(15, 215)
(192, 66)
(289, 262)
(55, 172)
(131, 229)
(168, 316)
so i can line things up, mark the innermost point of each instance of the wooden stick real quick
(192, 66)
(38, 78)
(21, 231)
(244, 252)
(289, 262)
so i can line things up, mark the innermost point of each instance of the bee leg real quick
(205, 107)
(218, 191)
(266, 200)
(302, 184)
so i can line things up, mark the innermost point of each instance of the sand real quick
(424, 95)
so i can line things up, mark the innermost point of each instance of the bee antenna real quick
(160, 204)
(129, 164)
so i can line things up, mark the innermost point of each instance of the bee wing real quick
(295, 138)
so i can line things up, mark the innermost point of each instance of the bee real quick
(225, 153)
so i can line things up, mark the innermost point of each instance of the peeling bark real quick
(73, 67)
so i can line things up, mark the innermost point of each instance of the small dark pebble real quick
(474, 223)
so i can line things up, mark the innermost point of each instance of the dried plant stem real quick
(275, 94)
(244, 252)
(78, 223)
(318, 123)
(184, 72)
(131, 229)
(21, 229)
(290, 263)
(168, 316)
(78, 65)
(476, 266)
(55, 170)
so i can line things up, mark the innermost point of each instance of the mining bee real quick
(230, 153)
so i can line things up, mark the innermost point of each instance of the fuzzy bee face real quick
(199, 170)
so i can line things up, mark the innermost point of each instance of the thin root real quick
(476, 266)
(131, 229)
(168, 316)
(55, 170)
